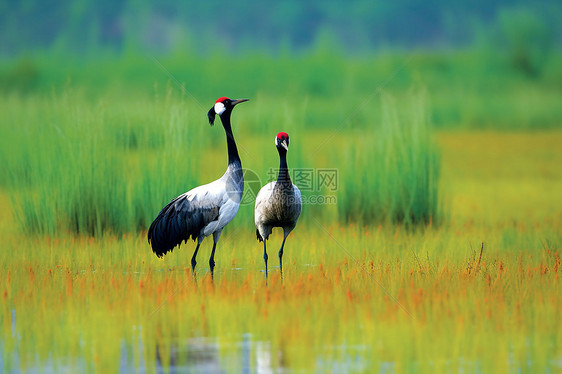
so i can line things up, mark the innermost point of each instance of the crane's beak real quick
(284, 145)
(234, 102)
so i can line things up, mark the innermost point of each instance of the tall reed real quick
(392, 172)
(92, 167)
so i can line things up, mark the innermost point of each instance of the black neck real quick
(283, 176)
(233, 156)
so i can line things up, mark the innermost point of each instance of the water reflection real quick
(197, 355)
(206, 355)
(248, 356)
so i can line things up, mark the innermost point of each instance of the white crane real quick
(206, 209)
(278, 204)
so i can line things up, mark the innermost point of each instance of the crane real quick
(206, 209)
(278, 203)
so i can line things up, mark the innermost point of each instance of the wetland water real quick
(200, 355)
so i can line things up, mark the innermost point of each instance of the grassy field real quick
(353, 297)
(465, 276)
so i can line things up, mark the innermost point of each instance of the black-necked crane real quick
(206, 209)
(278, 204)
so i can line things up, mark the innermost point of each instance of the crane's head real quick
(282, 141)
(223, 105)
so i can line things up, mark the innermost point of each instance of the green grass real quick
(391, 173)
(109, 165)
(90, 168)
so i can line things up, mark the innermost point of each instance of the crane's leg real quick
(265, 256)
(281, 254)
(193, 262)
(212, 259)
(216, 236)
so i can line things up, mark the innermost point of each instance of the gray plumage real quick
(277, 205)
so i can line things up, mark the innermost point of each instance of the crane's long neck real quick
(233, 157)
(283, 176)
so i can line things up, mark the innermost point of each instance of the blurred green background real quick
(293, 49)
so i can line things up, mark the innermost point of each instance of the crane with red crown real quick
(206, 209)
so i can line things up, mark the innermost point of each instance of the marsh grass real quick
(109, 165)
(354, 297)
(396, 166)
(70, 300)
(95, 168)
